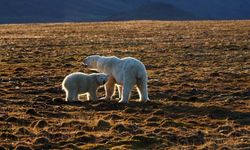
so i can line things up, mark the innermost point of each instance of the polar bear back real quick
(118, 68)
(77, 81)
(132, 64)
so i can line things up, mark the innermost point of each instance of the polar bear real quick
(78, 83)
(126, 73)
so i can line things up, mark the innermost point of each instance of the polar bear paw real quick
(123, 101)
(105, 98)
(144, 101)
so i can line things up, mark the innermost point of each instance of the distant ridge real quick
(31, 11)
(158, 11)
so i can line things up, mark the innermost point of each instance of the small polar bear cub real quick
(126, 73)
(79, 83)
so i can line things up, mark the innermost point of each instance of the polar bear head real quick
(101, 78)
(91, 61)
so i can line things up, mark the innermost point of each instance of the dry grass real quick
(199, 85)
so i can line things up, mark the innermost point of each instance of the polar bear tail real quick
(142, 86)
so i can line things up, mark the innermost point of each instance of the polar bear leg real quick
(109, 88)
(93, 95)
(72, 95)
(120, 91)
(127, 87)
(142, 90)
(88, 96)
(113, 95)
(119, 87)
(67, 93)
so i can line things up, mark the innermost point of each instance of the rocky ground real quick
(199, 86)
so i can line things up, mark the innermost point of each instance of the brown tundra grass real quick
(199, 86)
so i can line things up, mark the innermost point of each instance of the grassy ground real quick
(199, 86)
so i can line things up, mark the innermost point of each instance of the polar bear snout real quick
(84, 65)
(88, 63)
(102, 78)
(103, 82)
(91, 61)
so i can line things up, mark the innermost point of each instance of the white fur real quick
(126, 72)
(80, 83)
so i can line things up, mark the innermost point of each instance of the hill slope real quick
(16, 11)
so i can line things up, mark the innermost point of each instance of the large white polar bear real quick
(126, 72)
(78, 83)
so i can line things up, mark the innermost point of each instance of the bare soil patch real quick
(199, 86)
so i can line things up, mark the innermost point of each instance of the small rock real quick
(3, 117)
(130, 110)
(225, 148)
(11, 119)
(120, 128)
(171, 123)
(68, 65)
(80, 133)
(23, 147)
(113, 117)
(145, 140)
(18, 121)
(102, 125)
(238, 133)
(19, 69)
(9, 136)
(85, 139)
(176, 98)
(58, 100)
(31, 112)
(138, 131)
(42, 140)
(215, 74)
(70, 59)
(152, 124)
(24, 131)
(153, 119)
(42, 98)
(132, 119)
(41, 124)
(158, 112)
(224, 129)
(196, 139)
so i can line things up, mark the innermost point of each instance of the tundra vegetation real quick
(199, 86)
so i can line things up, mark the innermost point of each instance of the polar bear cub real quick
(126, 73)
(79, 83)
